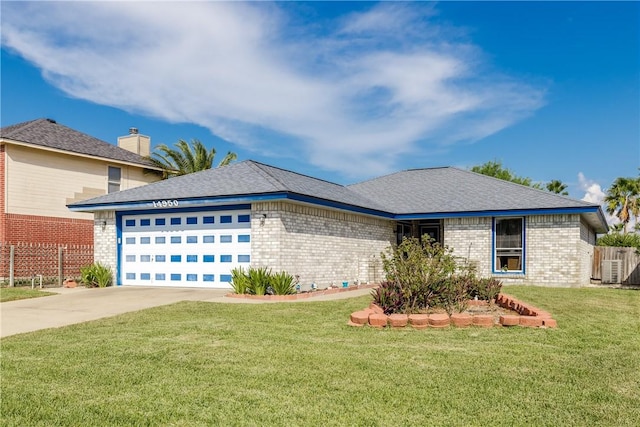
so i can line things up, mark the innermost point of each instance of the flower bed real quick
(521, 314)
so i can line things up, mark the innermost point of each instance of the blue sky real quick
(343, 91)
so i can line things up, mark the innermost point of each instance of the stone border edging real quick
(301, 295)
(528, 316)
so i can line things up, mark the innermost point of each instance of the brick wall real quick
(558, 251)
(46, 230)
(322, 246)
(104, 231)
(470, 239)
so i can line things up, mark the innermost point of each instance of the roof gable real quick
(47, 133)
(449, 189)
(410, 194)
(245, 178)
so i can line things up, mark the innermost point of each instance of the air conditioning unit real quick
(612, 271)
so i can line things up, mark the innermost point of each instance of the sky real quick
(343, 91)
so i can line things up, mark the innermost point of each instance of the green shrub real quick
(390, 297)
(239, 281)
(628, 240)
(96, 275)
(259, 280)
(283, 283)
(422, 275)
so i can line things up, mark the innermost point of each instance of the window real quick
(113, 183)
(160, 221)
(225, 219)
(192, 220)
(176, 221)
(208, 220)
(130, 223)
(145, 222)
(226, 238)
(244, 218)
(509, 244)
(244, 238)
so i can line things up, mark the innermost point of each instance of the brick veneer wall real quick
(322, 246)
(558, 252)
(470, 239)
(105, 245)
(47, 230)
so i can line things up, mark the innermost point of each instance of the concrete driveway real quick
(77, 305)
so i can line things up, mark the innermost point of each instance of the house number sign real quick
(164, 203)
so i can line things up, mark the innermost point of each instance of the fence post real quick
(60, 266)
(12, 252)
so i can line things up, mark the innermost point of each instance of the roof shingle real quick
(48, 133)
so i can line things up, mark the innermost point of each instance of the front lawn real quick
(193, 364)
(12, 294)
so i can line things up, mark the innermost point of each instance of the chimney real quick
(136, 143)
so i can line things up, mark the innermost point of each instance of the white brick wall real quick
(558, 248)
(104, 241)
(325, 246)
(322, 246)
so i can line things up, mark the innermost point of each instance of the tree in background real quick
(495, 169)
(623, 200)
(557, 186)
(188, 158)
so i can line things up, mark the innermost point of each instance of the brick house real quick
(44, 166)
(192, 230)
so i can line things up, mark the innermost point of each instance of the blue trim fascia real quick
(179, 209)
(338, 205)
(515, 212)
(183, 203)
(199, 204)
(118, 248)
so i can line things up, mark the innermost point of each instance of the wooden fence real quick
(21, 262)
(628, 266)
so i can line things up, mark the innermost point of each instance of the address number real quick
(165, 203)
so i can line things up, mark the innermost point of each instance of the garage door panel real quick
(197, 249)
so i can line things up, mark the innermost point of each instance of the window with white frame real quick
(114, 179)
(508, 239)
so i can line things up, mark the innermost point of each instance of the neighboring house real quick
(44, 166)
(192, 230)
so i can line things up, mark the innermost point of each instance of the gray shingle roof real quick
(449, 189)
(237, 179)
(415, 192)
(48, 133)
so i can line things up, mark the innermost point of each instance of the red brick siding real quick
(2, 193)
(47, 230)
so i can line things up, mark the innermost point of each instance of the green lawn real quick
(12, 294)
(291, 364)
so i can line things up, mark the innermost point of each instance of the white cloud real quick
(337, 94)
(595, 194)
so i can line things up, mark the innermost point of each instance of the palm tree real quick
(622, 199)
(557, 186)
(188, 158)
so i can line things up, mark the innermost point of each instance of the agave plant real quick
(259, 280)
(283, 283)
(239, 280)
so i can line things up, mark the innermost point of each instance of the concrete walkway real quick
(77, 305)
